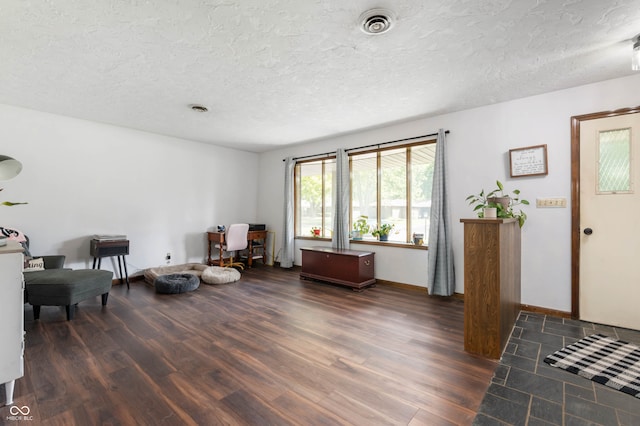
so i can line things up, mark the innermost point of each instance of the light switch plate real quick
(551, 202)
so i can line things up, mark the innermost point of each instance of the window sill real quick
(389, 244)
(371, 243)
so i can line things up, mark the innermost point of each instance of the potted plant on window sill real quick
(382, 232)
(360, 228)
(503, 204)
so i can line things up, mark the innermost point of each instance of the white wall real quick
(478, 155)
(82, 178)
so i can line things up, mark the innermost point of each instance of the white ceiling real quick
(277, 72)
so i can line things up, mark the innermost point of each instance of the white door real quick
(610, 221)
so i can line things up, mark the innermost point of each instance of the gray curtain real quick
(341, 193)
(440, 278)
(288, 242)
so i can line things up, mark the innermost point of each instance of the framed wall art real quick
(528, 161)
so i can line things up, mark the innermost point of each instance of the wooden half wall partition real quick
(491, 284)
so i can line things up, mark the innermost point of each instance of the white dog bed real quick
(218, 275)
(150, 275)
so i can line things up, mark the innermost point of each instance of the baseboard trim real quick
(413, 287)
(132, 279)
(545, 311)
(523, 307)
(401, 285)
(416, 288)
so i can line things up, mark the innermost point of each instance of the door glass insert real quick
(614, 161)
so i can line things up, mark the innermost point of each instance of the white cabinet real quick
(11, 317)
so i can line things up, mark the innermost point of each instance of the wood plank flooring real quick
(268, 349)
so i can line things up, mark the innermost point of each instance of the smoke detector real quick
(376, 21)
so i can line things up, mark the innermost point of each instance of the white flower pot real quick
(490, 212)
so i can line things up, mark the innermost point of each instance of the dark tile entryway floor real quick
(526, 391)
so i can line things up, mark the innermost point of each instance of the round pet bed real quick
(176, 283)
(151, 274)
(219, 275)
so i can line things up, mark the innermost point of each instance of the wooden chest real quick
(345, 267)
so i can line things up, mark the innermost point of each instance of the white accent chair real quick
(235, 239)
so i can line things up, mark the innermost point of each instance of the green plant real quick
(361, 225)
(9, 203)
(483, 200)
(479, 202)
(383, 229)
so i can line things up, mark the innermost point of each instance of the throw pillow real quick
(35, 265)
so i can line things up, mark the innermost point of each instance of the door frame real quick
(575, 198)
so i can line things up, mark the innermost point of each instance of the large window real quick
(314, 198)
(388, 186)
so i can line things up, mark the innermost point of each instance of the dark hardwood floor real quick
(268, 349)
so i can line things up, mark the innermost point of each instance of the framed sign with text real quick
(528, 161)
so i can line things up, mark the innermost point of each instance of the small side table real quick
(118, 248)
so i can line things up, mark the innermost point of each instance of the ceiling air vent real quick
(376, 21)
(199, 108)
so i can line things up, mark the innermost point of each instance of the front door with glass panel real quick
(610, 221)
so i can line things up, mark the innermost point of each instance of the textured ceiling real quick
(277, 72)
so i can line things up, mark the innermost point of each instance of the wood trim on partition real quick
(575, 198)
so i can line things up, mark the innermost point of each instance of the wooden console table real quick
(346, 267)
(491, 284)
(118, 248)
(255, 250)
